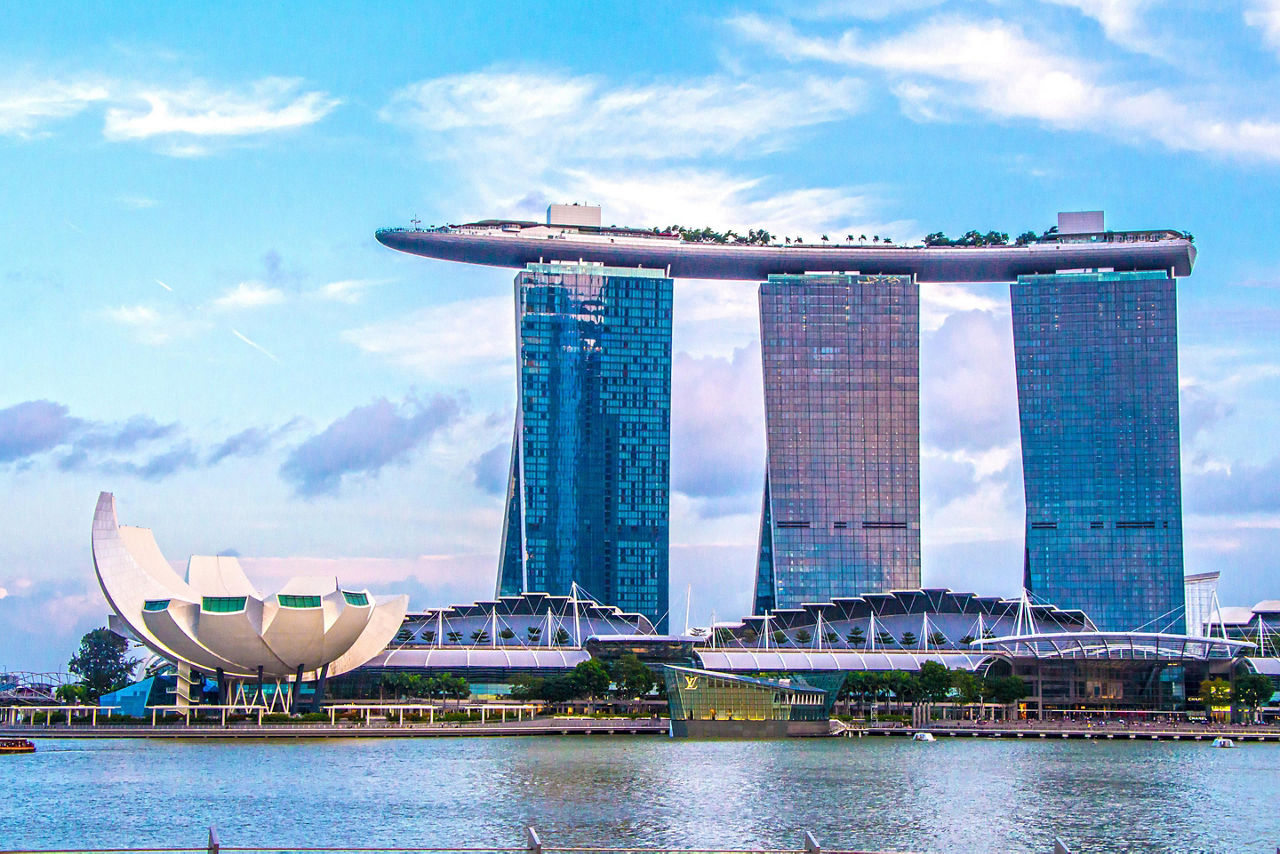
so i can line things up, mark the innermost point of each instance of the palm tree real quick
(875, 238)
(848, 238)
(862, 238)
(826, 239)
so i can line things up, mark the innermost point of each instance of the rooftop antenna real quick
(415, 222)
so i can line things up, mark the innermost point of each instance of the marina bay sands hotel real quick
(1095, 345)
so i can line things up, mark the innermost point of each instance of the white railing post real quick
(215, 844)
(532, 844)
(811, 845)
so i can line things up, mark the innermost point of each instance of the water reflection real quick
(952, 795)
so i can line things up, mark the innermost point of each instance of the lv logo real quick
(691, 683)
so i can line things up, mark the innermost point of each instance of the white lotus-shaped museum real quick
(216, 620)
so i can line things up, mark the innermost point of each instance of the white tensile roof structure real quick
(216, 619)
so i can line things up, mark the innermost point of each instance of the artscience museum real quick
(215, 622)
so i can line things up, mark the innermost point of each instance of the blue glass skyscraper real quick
(588, 497)
(1097, 366)
(841, 513)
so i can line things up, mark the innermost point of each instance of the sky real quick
(194, 313)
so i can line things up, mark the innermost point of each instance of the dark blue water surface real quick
(871, 793)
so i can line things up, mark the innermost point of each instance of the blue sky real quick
(196, 316)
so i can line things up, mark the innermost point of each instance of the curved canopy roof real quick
(792, 661)
(1115, 645)
(510, 657)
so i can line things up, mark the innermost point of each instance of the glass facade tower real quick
(1097, 368)
(588, 496)
(841, 513)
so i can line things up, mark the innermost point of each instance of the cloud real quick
(553, 115)
(1201, 409)
(136, 203)
(248, 295)
(521, 139)
(1237, 489)
(27, 105)
(33, 427)
(3, 593)
(364, 441)
(1265, 16)
(348, 291)
(186, 119)
(248, 443)
(951, 64)
(152, 326)
(491, 469)
(968, 394)
(717, 429)
(1122, 21)
(471, 338)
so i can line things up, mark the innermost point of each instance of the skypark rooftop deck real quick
(516, 244)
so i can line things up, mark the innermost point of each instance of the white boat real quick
(1222, 742)
(923, 736)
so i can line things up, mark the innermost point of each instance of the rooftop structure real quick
(216, 621)
(517, 243)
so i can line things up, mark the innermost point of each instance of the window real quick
(298, 601)
(360, 599)
(156, 605)
(222, 604)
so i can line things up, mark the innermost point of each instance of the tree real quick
(591, 679)
(724, 636)
(967, 639)
(480, 636)
(779, 637)
(454, 637)
(454, 687)
(562, 637)
(803, 637)
(831, 638)
(102, 663)
(856, 636)
(937, 639)
(935, 681)
(534, 633)
(884, 638)
(632, 677)
(1215, 693)
(749, 635)
(1007, 689)
(1252, 690)
(909, 639)
(968, 686)
(506, 634)
(71, 693)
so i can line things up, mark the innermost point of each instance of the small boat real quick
(1222, 742)
(923, 736)
(16, 745)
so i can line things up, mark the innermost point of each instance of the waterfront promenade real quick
(373, 729)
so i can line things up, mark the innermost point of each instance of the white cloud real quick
(520, 140)
(948, 64)
(1122, 21)
(136, 203)
(3, 593)
(200, 112)
(348, 290)
(25, 105)
(1265, 16)
(552, 115)
(466, 339)
(154, 327)
(249, 295)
